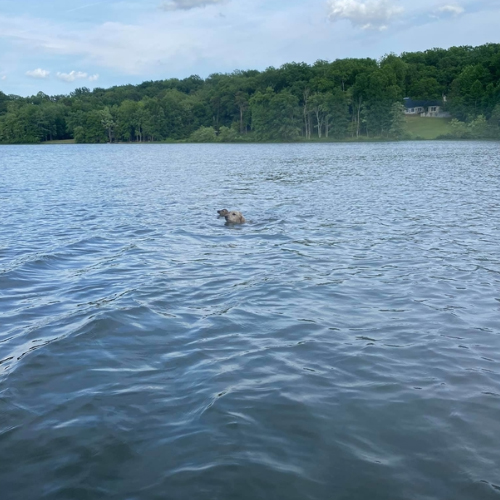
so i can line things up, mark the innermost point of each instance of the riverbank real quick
(418, 128)
(428, 128)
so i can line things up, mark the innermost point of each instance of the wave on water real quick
(341, 344)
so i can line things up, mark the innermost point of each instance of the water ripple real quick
(342, 344)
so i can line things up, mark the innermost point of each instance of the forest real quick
(347, 99)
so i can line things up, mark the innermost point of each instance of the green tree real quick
(494, 123)
(241, 99)
(107, 122)
(126, 120)
(474, 129)
(227, 134)
(88, 127)
(275, 115)
(337, 117)
(398, 128)
(203, 134)
(3, 103)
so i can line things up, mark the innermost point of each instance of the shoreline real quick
(321, 141)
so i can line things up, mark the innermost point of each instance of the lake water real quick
(343, 344)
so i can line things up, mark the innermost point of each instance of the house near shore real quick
(428, 109)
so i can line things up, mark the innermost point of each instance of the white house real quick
(429, 109)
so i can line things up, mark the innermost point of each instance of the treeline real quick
(340, 99)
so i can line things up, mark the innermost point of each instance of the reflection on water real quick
(342, 344)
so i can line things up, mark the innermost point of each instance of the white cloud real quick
(188, 4)
(72, 76)
(369, 14)
(93, 78)
(196, 40)
(38, 73)
(130, 48)
(454, 10)
(3, 77)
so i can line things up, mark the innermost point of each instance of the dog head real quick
(234, 217)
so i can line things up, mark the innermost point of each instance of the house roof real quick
(410, 103)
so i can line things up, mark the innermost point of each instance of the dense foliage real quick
(340, 99)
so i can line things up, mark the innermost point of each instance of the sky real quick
(55, 46)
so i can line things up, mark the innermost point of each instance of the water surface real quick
(344, 344)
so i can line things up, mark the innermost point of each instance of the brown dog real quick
(234, 217)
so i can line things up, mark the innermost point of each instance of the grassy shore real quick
(418, 128)
(64, 141)
(427, 128)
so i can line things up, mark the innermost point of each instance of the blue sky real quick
(55, 46)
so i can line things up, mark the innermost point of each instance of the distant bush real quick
(204, 134)
(474, 129)
(227, 134)
(209, 134)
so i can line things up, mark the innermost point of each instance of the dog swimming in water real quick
(232, 216)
